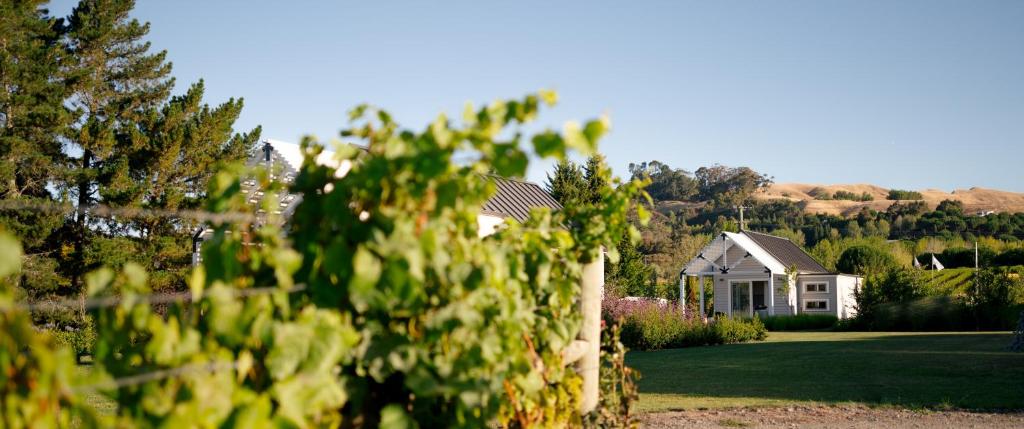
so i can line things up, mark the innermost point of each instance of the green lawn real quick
(935, 370)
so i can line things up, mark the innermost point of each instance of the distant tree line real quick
(899, 194)
(822, 194)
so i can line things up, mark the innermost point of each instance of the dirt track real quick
(831, 417)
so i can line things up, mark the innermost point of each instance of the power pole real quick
(740, 208)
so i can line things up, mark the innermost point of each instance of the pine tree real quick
(631, 276)
(32, 118)
(178, 147)
(567, 184)
(115, 80)
(596, 176)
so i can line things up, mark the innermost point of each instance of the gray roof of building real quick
(515, 198)
(787, 252)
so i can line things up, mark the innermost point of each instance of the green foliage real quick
(566, 184)
(1010, 257)
(903, 299)
(730, 330)
(406, 316)
(865, 260)
(35, 384)
(631, 276)
(850, 196)
(799, 322)
(87, 117)
(32, 121)
(79, 341)
(575, 185)
(619, 392)
(729, 186)
(900, 194)
(667, 183)
(653, 326)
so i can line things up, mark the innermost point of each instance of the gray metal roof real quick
(786, 252)
(515, 198)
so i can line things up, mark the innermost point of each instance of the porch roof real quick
(703, 264)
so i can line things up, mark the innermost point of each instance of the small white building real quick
(755, 273)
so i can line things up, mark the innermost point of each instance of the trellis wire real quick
(161, 374)
(128, 212)
(151, 299)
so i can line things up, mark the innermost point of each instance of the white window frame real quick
(817, 283)
(825, 300)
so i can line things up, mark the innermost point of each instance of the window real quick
(815, 287)
(816, 305)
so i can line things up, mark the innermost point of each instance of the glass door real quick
(741, 299)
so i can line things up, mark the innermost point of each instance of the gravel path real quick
(830, 417)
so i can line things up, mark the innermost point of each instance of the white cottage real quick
(755, 273)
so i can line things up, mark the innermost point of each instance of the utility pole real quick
(975, 256)
(740, 208)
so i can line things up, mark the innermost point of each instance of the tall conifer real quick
(32, 119)
(115, 80)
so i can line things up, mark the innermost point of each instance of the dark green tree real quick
(32, 119)
(865, 260)
(667, 183)
(632, 276)
(178, 147)
(115, 81)
(566, 183)
(595, 181)
(728, 186)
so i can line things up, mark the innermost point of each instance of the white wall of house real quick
(836, 291)
(488, 224)
(848, 285)
(839, 295)
(782, 298)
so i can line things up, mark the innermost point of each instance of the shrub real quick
(800, 322)
(735, 330)
(850, 196)
(1010, 257)
(649, 325)
(899, 194)
(923, 314)
(78, 340)
(863, 259)
(962, 257)
(619, 392)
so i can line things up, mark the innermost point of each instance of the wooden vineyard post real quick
(590, 303)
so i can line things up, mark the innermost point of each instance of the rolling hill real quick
(974, 199)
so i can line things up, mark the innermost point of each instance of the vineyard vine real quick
(384, 307)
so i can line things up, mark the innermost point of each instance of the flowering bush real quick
(653, 325)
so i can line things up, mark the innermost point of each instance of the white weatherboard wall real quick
(723, 293)
(840, 294)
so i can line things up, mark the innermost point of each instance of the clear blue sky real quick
(910, 94)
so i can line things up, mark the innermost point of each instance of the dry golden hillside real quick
(974, 199)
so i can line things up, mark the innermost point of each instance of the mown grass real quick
(914, 370)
